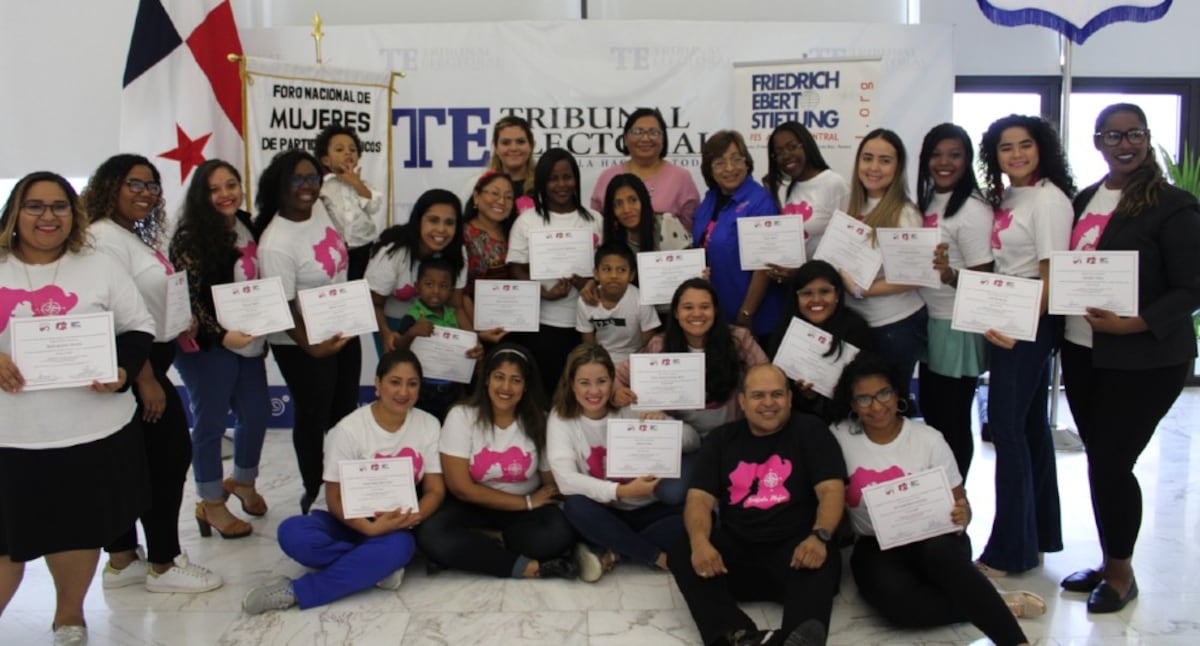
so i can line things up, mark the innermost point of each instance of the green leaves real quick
(1185, 171)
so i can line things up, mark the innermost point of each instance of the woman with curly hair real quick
(1032, 219)
(214, 243)
(123, 201)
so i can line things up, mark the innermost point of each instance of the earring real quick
(902, 406)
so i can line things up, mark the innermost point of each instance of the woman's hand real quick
(961, 513)
(652, 415)
(11, 380)
(493, 335)
(546, 495)
(780, 274)
(805, 389)
(622, 396)
(235, 340)
(559, 291)
(1108, 322)
(589, 293)
(941, 263)
(1000, 340)
(641, 487)
(330, 346)
(112, 386)
(154, 398)
(389, 339)
(387, 522)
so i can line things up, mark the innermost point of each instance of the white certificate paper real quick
(1104, 279)
(254, 307)
(370, 486)
(775, 239)
(443, 354)
(802, 356)
(661, 272)
(910, 508)
(341, 307)
(560, 253)
(1006, 304)
(644, 448)
(667, 381)
(179, 307)
(514, 305)
(64, 351)
(908, 256)
(847, 245)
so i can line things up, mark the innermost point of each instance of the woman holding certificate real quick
(948, 194)
(920, 580)
(75, 448)
(215, 244)
(1124, 373)
(801, 182)
(347, 549)
(300, 244)
(1032, 220)
(123, 200)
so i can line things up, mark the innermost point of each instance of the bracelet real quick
(858, 292)
(747, 314)
(528, 503)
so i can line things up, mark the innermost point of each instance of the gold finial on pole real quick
(317, 34)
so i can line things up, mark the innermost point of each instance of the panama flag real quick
(182, 97)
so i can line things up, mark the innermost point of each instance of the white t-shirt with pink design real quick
(504, 459)
(885, 310)
(816, 200)
(303, 255)
(1032, 221)
(394, 275)
(359, 437)
(917, 448)
(559, 313)
(148, 266)
(1084, 237)
(968, 234)
(246, 268)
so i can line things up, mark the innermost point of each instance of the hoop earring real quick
(902, 406)
(855, 423)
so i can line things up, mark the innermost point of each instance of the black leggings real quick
(946, 405)
(450, 538)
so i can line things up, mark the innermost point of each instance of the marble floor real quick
(634, 605)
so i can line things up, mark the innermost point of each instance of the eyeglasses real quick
(652, 133)
(1112, 138)
(137, 186)
(36, 208)
(300, 180)
(497, 195)
(883, 397)
(737, 161)
(789, 148)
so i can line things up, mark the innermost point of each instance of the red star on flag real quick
(189, 152)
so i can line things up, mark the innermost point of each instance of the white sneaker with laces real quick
(70, 636)
(184, 576)
(275, 594)
(135, 572)
(391, 581)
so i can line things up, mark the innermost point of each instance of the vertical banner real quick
(835, 99)
(288, 104)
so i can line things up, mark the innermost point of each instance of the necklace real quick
(53, 279)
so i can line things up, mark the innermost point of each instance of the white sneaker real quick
(1066, 440)
(135, 572)
(391, 581)
(70, 636)
(274, 595)
(184, 576)
(590, 566)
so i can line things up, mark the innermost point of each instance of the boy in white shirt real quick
(351, 203)
(617, 322)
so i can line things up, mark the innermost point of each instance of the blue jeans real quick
(673, 491)
(640, 534)
(345, 560)
(217, 381)
(903, 342)
(1028, 517)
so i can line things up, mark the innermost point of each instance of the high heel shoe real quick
(257, 504)
(238, 528)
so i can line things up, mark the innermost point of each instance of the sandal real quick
(252, 503)
(609, 560)
(1024, 604)
(989, 571)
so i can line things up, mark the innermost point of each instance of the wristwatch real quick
(822, 535)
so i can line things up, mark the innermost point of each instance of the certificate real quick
(254, 307)
(910, 508)
(667, 381)
(775, 239)
(847, 245)
(660, 272)
(443, 354)
(644, 448)
(64, 351)
(514, 305)
(560, 253)
(801, 356)
(908, 256)
(178, 305)
(1006, 304)
(1104, 279)
(339, 308)
(370, 486)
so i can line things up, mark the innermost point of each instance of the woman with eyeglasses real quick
(73, 472)
(299, 243)
(800, 180)
(489, 216)
(1123, 374)
(672, 190)
(512, 155)
(124, 203)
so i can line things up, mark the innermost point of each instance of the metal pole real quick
(1065, 437)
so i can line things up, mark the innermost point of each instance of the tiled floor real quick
(635, 605)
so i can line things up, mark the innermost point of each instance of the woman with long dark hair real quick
(801, 182)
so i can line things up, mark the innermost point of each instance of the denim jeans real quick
(640, 534)
(903, 342)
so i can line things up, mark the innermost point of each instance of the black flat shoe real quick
(1105, 598)
(1082, 581)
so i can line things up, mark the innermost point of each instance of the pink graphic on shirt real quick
(407, 451)
(931, 221)
(249, 259)
(406, 293)
(862, 478)
(1002, 221)
(170, 269)
(803, 209)
(50, 300)
(1086, 234)
(325, 249)
(597, 466)
(510, 465)
(760, 486)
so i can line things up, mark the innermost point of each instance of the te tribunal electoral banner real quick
(288, 104)
(835, 99)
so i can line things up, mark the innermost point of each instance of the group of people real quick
(769, 466)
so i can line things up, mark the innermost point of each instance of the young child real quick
(431, 307)
(617, 322)
(350, 202)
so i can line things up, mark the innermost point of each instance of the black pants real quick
(450, 539)
(324, 390)
(1116, 412)
(550, 347)
(757, 572)
(932, 583)
(946, 404)
(436, 399)
(168, 455)
(359, 257)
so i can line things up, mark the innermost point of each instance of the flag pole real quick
(241, 63)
